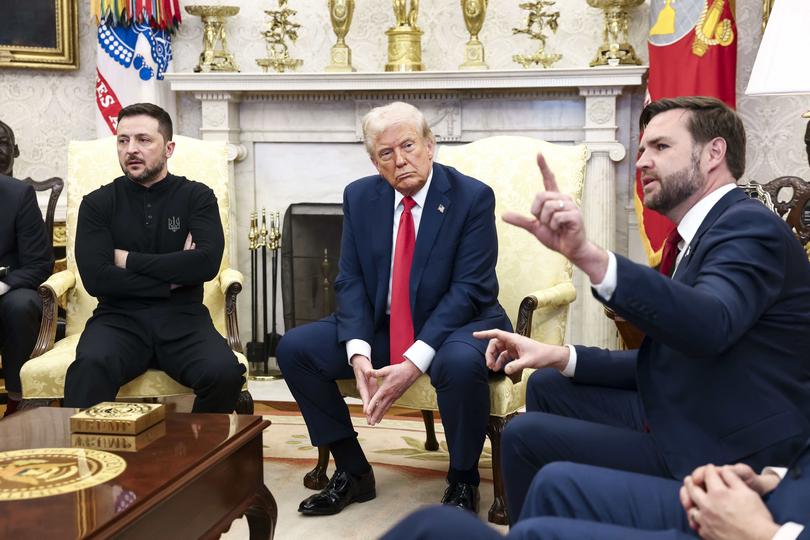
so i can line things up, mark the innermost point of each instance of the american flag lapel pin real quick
(441, 209)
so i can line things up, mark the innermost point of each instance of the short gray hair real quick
(379, 119)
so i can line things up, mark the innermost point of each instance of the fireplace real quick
(310, 250)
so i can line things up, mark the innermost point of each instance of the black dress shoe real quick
(343, 489)
(462, 495)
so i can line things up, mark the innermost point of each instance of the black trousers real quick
(20, 315)
(180, 339)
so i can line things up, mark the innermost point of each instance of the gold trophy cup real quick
(474, 12)
(340, 13)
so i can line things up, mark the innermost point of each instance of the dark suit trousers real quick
(20, 315)
(566, 421)
(180, 339)
(311, 359)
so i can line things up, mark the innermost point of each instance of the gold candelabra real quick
(615, 48)
(474, 12)
(280, 29)
(538, 21)
(215, 55)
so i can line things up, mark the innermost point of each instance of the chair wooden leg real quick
(244, 405)
(316, 478)
(497, 512)
(431, 443)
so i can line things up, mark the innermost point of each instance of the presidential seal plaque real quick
(42, 472)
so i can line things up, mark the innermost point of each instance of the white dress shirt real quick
(420, 353)
(687, 228)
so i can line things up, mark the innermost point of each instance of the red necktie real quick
(670, 253)
(401, 324)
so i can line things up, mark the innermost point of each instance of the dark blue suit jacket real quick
(24, 242)
(452, 281)
(724, 372)
(790, 501)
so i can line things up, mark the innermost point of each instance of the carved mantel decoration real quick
(254, 111)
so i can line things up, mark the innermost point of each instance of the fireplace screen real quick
(310, 250)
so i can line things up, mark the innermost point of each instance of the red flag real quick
(693, 52)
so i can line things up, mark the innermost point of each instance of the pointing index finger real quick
(549, 181)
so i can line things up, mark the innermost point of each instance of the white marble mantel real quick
(252, 111)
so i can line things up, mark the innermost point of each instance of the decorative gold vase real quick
(405, 39)
(340, 13)
(215, 55)
(474, 12)
(615, 49)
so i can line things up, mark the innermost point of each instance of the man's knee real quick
(542, 387)
(227, 374)
(458, 364)
(20, 307)
(305, 349)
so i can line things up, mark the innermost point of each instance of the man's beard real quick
(147, 175)
(676, 187)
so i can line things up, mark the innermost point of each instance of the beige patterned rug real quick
(408, 477)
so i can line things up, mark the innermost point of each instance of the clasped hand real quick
(725, 503)
(380, 388)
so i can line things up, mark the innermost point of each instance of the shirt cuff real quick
(789, 531)
(4, 288)
(357, 346)
(572, 362)
(778, 471)
(608, 285)
(420, 354)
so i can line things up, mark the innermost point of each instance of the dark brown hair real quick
(709, 118)
(150, 109)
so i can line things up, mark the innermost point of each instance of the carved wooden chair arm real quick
(558, 295)
(50, 292)
(230, 283)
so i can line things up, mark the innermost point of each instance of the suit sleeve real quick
(94, 257)
(601, 367)
(35, 249)
(194, 266)
(705, 318)
(473, 283)
(355, 317)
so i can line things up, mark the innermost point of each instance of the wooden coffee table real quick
(191, 483)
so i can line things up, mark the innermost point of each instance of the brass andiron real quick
(615, 49)
(340, 13)
(405, 38)
(280, 28)
(474, 12)
(538, 20)
(215, 55)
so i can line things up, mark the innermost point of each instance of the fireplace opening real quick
(310, 250)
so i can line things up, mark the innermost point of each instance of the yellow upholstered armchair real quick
(92, 164)
(535, 283)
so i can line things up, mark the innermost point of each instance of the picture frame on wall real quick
(40, 34)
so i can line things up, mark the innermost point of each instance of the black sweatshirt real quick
(152, 224)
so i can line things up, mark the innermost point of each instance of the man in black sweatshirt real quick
(145, 245)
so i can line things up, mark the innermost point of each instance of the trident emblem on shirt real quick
(174, 224)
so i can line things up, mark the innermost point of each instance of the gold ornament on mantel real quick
(538, 21)
(474, 12)
(405, 39)
(280, 28)
(215, 55)
(340, 13)
(615, 49)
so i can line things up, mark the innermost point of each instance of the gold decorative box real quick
(118, 443)
(117, 418)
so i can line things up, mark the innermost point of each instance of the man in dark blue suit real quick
(416, 279)
(722, 375)
(26, 260)
(568, 501)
